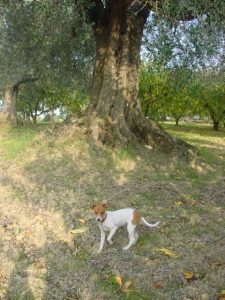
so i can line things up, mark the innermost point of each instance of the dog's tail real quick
(148, 224)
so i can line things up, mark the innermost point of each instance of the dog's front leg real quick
(102, 240)
(111, 234)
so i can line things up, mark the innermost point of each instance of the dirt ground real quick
(49, 237)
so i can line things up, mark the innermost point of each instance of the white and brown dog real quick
(112, 220)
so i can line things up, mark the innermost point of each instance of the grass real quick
(109, 283)
(60, 176)
(210, 145)
(15, 140)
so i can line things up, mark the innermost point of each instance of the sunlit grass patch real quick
(15, 140)
(211, 157)
(211, 150)
(125, 152)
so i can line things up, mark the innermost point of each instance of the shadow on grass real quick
(67, 183)
(66, 179)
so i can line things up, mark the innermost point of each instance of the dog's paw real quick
(110, 242)
(99, 251)
(125, 248)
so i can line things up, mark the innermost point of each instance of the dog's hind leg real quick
(132, 236)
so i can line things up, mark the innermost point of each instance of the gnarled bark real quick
(114, 112)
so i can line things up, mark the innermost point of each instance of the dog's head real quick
(99, 210)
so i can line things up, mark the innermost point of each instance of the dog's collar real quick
(102, 221)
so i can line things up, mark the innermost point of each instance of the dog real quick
(112, 220)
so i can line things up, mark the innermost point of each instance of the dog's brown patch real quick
(136, 217)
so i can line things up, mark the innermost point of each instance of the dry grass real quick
(46, 252)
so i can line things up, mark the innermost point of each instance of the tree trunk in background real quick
(8, 114)
(177, 119)
(216, 125)
(52, 115)
(34, 118)
(215, 121)
(114, 113)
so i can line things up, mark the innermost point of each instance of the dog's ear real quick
(105, 205)
(93, 206)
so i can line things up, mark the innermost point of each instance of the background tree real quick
(178, 101)
(209, 93)
(153, 90)
(184, 52)
(165, 92)
(39, 40)
(38, 99)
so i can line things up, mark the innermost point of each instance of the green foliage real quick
(183, 73)
(170, 40)
(41, 39)
(152, 90)
(179, 92)
(209, 92)
(55, 44)
(165, 92)
(36, 99)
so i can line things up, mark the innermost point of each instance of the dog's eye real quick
(102, 213)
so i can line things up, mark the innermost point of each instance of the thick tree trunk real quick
(8, 114)
(114, 97)
(114, 112)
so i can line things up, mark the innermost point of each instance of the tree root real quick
(144, 132)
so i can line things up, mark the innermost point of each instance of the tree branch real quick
(24, 80)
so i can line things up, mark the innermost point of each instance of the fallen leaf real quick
(82, 221)
(167, 252)
(188, 275)
(193, 203)
(27, 234)
(222, 295)
(79, 230)
(118, 280)
(126, 286)
(178, 203)
(158, 285)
